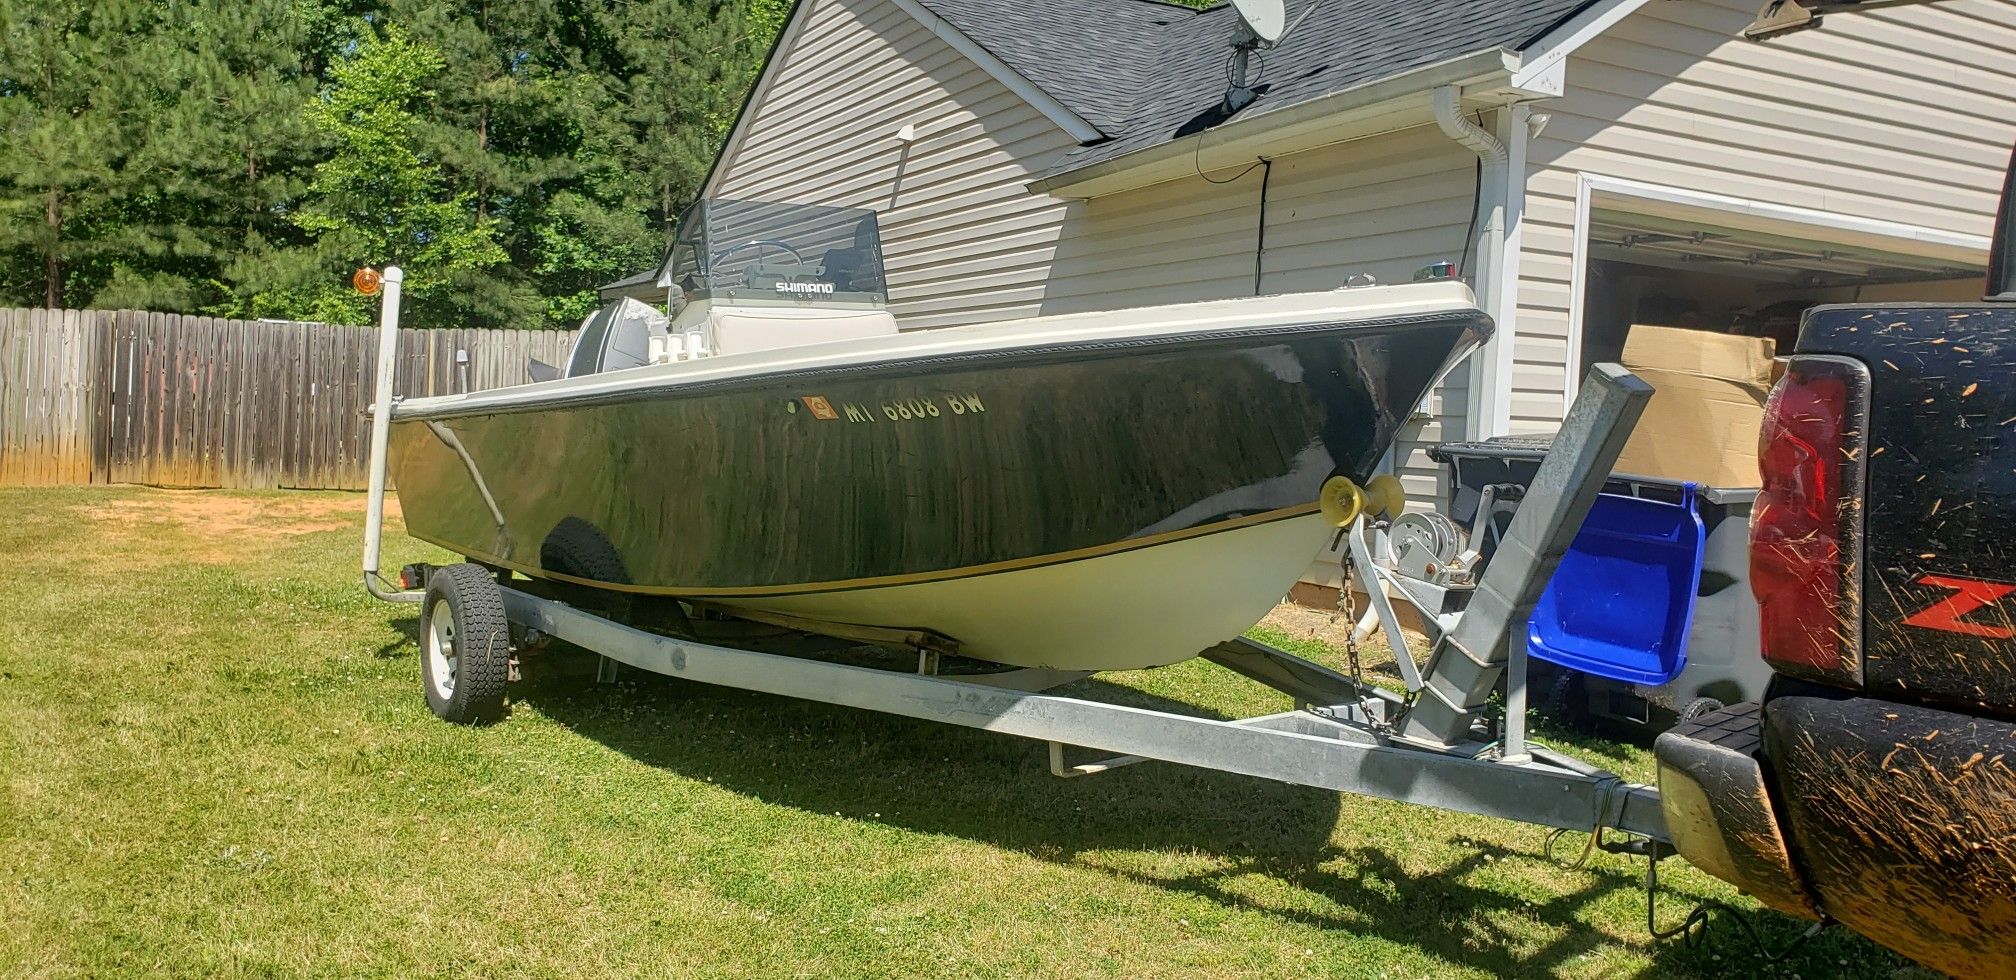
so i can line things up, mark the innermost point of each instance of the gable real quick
(963, 239)
(843, 43)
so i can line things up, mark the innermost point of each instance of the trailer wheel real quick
(465, 645)
(1698, 707)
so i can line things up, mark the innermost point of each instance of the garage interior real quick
(1681, 271)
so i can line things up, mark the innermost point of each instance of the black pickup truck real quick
(1876, 783)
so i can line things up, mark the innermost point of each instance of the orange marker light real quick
(366, 280)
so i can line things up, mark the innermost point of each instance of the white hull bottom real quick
(1148, 607)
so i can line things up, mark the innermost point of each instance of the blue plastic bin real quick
(1622, 601)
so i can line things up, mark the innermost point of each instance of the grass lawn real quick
(215, 760)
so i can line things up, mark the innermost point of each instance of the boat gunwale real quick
(653, 381)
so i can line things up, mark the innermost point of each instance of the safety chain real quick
(1347, 609)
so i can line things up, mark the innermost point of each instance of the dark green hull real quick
(920, 469)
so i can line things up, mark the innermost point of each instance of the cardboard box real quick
(1703, 421)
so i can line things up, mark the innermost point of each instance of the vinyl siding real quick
(1899, 115)
(1385, 205)
(963, 239)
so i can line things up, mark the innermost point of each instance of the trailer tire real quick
(465, 645)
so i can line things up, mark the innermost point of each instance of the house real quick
(1588, 163)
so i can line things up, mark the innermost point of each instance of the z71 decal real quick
(1957, 611)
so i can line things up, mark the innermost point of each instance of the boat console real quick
(746, 276)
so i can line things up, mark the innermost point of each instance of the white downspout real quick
(1489, 387)
(1515, 130)
(1501, 189)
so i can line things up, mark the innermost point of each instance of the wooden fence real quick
(101, 396)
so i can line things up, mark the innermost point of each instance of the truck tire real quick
(1566, 702)
(1698, 707)
(465, 645)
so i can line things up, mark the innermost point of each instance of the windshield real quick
(751, 250)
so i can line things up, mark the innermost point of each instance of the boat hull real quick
(1123, 610)
(1090, 505)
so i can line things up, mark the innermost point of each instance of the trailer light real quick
(1805, 531)
(366, 281)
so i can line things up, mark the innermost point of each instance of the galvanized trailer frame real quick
(1431, 748)
(1332, 746)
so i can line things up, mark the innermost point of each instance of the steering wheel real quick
(797, 259)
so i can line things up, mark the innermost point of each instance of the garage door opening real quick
(1681, 271)
(1698, 293)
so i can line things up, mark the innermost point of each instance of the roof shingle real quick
(1144, 72)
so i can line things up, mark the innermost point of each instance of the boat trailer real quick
(1432, 746)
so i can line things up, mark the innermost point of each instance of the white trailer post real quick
(390, 281)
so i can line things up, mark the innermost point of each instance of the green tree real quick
(242, 158)
(227, 150)
(64, 139)
(686, 68)
(377, 199)
(522, 96)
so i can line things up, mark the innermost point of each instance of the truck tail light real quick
(1806, 528)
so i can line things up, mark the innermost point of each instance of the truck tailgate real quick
(1939, 568)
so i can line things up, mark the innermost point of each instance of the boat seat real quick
(850, 270)
(857, 268)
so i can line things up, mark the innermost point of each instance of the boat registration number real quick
(921, 408)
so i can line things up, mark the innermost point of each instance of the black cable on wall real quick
(1266, 168)
(1260, 233)
(1470, 228)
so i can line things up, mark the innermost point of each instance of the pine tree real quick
(688, 66)
(242, 158)
(226, 150)
(527, 116)
(63, 144)
(378, 198)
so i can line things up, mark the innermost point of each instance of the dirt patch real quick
(1303, 621)
(1323, 626)
(1327, 625)
(222, 524)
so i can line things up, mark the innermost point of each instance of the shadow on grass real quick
(983, 787)
(408, 628)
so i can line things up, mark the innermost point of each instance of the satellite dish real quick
(1262, 25)
(1266, 19)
